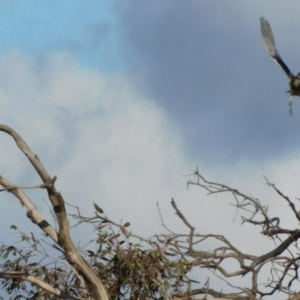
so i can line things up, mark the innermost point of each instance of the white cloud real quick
(106, 142)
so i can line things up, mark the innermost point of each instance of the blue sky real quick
(48, 26)
(121, 99)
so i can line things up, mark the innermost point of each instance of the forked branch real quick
(57, 202)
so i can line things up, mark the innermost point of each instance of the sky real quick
(121, 100)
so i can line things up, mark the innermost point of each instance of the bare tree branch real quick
(32, 213)
(285, 267)
(41, 283)
(64, 239)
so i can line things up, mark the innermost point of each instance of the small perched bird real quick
(269, 41)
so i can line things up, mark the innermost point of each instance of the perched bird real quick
(269, 41)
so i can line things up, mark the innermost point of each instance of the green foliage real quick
(98, 209)
(32, 258)
(130, 267)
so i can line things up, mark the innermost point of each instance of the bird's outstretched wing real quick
(269, 42)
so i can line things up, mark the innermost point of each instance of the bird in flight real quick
(269, 42)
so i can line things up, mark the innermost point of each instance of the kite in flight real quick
(269, 41)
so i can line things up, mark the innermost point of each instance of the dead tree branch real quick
(284, 266)
(56, 199)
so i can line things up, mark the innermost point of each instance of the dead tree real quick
(282, 260)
